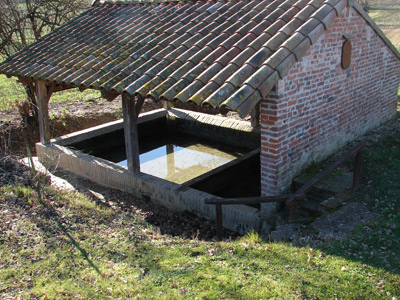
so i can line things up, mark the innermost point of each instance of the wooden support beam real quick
(131, 134)
(109, 96)
(43, 97)
(255, 115)
(139, 104)
(24, 80)
(166, 104)
(357, 170)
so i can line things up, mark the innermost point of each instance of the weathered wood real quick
(255, 115)
(253, 200)
(42, 97)
(139, 104)
(24, 80)
(131, 133)
(109, 96)
(293, 206)
(316, 179)
(218, 216)
(346, 54)
(220, 169)
(357, 170)
(166, 104)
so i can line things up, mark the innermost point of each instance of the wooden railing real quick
(291, 200)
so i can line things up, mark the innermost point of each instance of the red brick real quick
(317, 106)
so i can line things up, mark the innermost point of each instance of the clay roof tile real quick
(227, 54)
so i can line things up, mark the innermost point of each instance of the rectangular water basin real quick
(185, 158)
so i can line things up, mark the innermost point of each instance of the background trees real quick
(25, 21)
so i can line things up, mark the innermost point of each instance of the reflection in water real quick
(180, 164)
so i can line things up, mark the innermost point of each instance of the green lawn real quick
(82, 249)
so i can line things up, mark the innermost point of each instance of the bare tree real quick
(25, 21)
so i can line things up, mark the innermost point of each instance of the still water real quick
(179, 163)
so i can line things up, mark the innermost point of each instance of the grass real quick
(379, 243)
(74, 247)
(81, 249)
(11, 92)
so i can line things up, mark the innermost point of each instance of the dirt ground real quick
(67, 118)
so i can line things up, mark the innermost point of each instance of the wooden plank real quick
(317, 178)
(204, 176)
(43, 105)
(131, 133)
(166, 104)
(253, 200)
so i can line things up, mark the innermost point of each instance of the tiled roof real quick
(227, 54)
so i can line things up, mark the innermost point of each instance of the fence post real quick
(357, 170)
(292, 207)
(218, 214)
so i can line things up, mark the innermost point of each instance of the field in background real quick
(11, 92)
(387, 15)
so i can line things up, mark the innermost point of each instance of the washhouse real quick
(312, 74)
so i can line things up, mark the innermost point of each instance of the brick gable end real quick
(319, 106)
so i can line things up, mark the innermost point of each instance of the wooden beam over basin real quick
(220, 169)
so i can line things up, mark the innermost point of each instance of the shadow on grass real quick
(377, 243)
(183, 224)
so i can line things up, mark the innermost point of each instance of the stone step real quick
(310, 205)
(336, 183)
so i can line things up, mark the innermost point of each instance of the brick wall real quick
(319, 106)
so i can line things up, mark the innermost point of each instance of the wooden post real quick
(218, 216)
(166, 104)
(43, 98)
(357, 170)
(170, 160)
(255, 115)
(131, 134)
